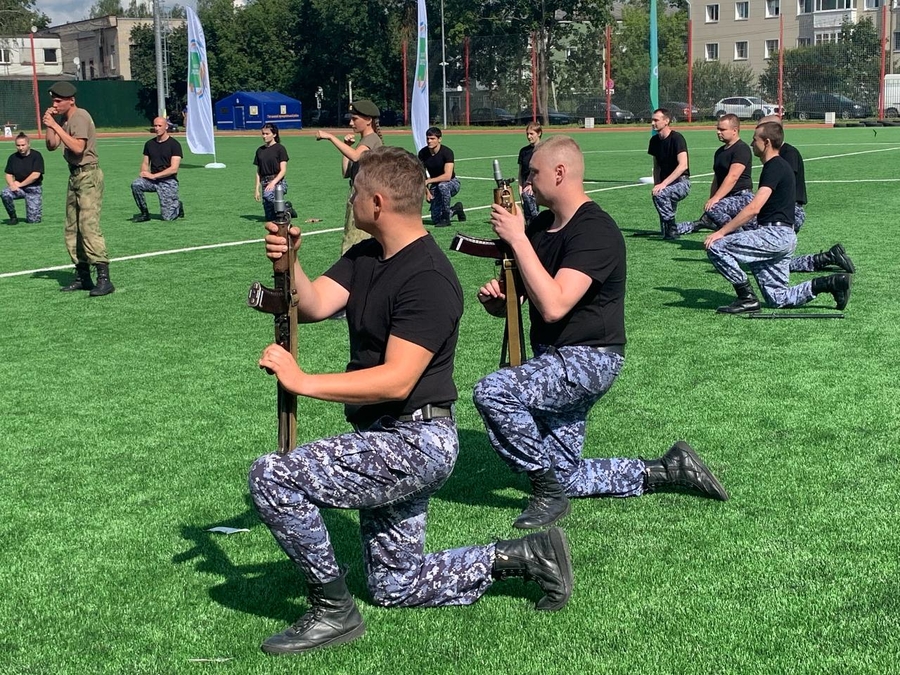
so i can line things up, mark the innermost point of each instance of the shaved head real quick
(563, 150)
(770, 118)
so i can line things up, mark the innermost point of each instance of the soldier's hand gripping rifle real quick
(281, 301)
(513, 345)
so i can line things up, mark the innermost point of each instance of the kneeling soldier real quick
(159, 174)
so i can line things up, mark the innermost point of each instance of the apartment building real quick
(16, 60)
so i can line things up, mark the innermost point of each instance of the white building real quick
(16, 60)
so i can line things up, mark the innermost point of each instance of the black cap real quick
(365, 107)
(63, 90)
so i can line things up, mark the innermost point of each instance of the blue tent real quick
(252, 109)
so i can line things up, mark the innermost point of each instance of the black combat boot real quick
(104, 285)
(290, 209)
(332, 619)
(746, 300)
(548, 502)
(681, 467)
(441, 223)
(836, 284)
(457, 210)
(142, 217)
(13, 220)
(835, 256)
(705, 223)
(542, 557)
(180, 209)
(82, 281)
(670, 230)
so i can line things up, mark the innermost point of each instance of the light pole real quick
(34, 84)
(160, 76)
(690, 62)
(443, 66)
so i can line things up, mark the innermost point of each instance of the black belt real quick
(426, 414)
(75, 170)
(777, 223)
(612, 349)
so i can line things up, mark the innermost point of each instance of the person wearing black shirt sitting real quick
(159, 174)
(404, 304)
(441, 184)
(765, 244)
(572, 262)
(671, 170)
(24, 180)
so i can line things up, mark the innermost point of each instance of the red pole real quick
(405, 85)
(534, 77)
(781, 64)
(466, 43)
(884, 46)
(690, 55)
(608, 73)
(37, 104)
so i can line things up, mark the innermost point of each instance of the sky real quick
(64, 11)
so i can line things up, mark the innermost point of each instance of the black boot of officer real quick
(104, 285)
(746, 300)
(458, 211)
(332, 619)
(835, 256)
(836, 284)
(542, 557)
(142, 217)
(548, 502)
(82, 281)
(681, 467)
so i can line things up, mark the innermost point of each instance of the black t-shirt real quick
(434, 164)
(792, 156)
(590, 243)
(525, 163)
(161, 154)
(739, 153)
(20, 167)
(414, 295)
(666, 151)
(269, 158)
(778, 176)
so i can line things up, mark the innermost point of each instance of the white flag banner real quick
(199, 102)
(420, 114)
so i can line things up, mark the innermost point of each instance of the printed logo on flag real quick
(196, 69)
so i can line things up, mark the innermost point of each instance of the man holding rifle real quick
(572, 262)
(403, 303)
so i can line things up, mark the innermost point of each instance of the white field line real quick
(154, 254)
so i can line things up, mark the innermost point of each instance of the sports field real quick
(128, 423)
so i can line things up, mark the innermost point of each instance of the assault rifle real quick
(513, 345)
(281, 301)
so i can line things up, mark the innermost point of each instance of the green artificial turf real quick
(128, 423)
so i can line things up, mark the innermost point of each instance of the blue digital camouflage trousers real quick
(441, 194)
(666, 202)
(33, 196)
(387, 472)
(268, 198)
(536, 413)
(166, 188)
(766, 251)
(801, 263)
(724, 210)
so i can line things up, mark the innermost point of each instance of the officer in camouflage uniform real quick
(159, 174)
(768, 238)
(671, 170)
(572, 262)
(24, 178)
(403, 304)
(84, 197)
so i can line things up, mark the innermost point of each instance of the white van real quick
(892, 95)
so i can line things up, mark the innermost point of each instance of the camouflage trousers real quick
(268, 198)
(724, 210)
(388, 473)
(166, 188)
(666, 202)
(536, 414)
(766, 251)
(33, 196)
(352, 234)
(441, 194)
(84, 200)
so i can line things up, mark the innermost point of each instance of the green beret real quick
(63, 90)
(365, 107)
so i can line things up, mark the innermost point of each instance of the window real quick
(805, 6)
(831, 5)
(771, 48)
(773, 8)
(874, 4)
(897, 41)
(741, 11)
(50, 56)
(741, 49)
(712, 51)
(804, 42)
(712, 13)
(826, 38)
(5, 56)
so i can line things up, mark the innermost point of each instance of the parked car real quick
(553, 117)
(817, 104)
(745, 107)
(492, 117)
(678, 109)
(597, 110)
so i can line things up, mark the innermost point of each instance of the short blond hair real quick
(397, 174)
(563, 150)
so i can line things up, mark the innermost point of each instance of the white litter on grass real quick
(227, 530)
(646, 180)
(220, 659)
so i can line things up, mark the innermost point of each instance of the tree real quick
(138, 9)
(18, 16)
(106, 8)
(143, 66)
